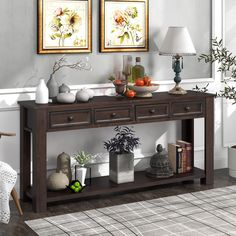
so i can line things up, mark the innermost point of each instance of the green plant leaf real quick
(52, 37)
(68, 35)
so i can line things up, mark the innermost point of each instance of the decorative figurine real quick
(160, 166)
(63, 165)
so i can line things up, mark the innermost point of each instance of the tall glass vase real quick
(53, 88)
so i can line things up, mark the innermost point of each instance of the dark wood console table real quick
(100, 112)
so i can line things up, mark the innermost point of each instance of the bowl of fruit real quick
(75, 186)
(120, 86)
(144, 87)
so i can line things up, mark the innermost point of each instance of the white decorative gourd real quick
(82, 96)
(65, 98)
(90, 92)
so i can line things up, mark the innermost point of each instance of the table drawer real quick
(187, 108)
(60, 119)
(118, 114)
(148, 112)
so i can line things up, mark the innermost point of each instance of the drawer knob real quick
(70, 118)
(113, 115)
(187, 108)
(152, 111)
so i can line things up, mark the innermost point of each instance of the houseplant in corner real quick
(121, 156)
(82, 159)
(227, 65)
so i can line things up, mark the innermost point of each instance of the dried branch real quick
(62, 63)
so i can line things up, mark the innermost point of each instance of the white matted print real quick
(64, 26)
(124, 25)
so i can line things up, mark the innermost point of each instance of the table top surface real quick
(157, 97)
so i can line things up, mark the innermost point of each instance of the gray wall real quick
(20, 66)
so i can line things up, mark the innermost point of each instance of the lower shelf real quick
(102, 186)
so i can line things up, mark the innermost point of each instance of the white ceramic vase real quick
(232, 161)
(81, 174)
(41, 96)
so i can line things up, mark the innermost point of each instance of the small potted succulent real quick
(121, 156)
(82, 159)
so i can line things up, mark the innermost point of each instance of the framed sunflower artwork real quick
(64, 26)
(124, 25)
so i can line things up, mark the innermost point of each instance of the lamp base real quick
(177, 90)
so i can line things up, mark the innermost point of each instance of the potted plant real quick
(121, 156)
(227, 62)
(82, 159)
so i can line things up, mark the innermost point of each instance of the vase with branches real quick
(227, 65)
(59, 64)
(121, 157)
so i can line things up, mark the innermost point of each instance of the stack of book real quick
(180, 156)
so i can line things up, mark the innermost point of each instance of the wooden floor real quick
(16, 227)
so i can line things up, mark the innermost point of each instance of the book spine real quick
(184, 159)
(189, 153)
(179, 168)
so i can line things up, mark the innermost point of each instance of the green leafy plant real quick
(227, 61)
(201, 89)
(123, 142)
(82, 158)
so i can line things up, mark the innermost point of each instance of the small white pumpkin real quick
(57, 181)
(82, 96)
(64, 89)
(90, 92)
(66, 98)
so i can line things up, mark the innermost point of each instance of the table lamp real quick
(177, 44)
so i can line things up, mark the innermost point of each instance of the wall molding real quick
(18, 94)
(27, 90)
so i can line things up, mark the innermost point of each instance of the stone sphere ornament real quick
(57, 181)
(160, 165)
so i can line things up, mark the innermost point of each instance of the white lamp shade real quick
(177, 42)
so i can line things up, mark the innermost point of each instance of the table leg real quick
(39, 193)
(24, 156)
(209, 142)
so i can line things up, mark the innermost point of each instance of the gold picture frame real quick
(64, 26)
(124, 25)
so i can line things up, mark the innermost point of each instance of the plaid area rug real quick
(210, 212)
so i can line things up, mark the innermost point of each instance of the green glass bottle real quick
(138, 70)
